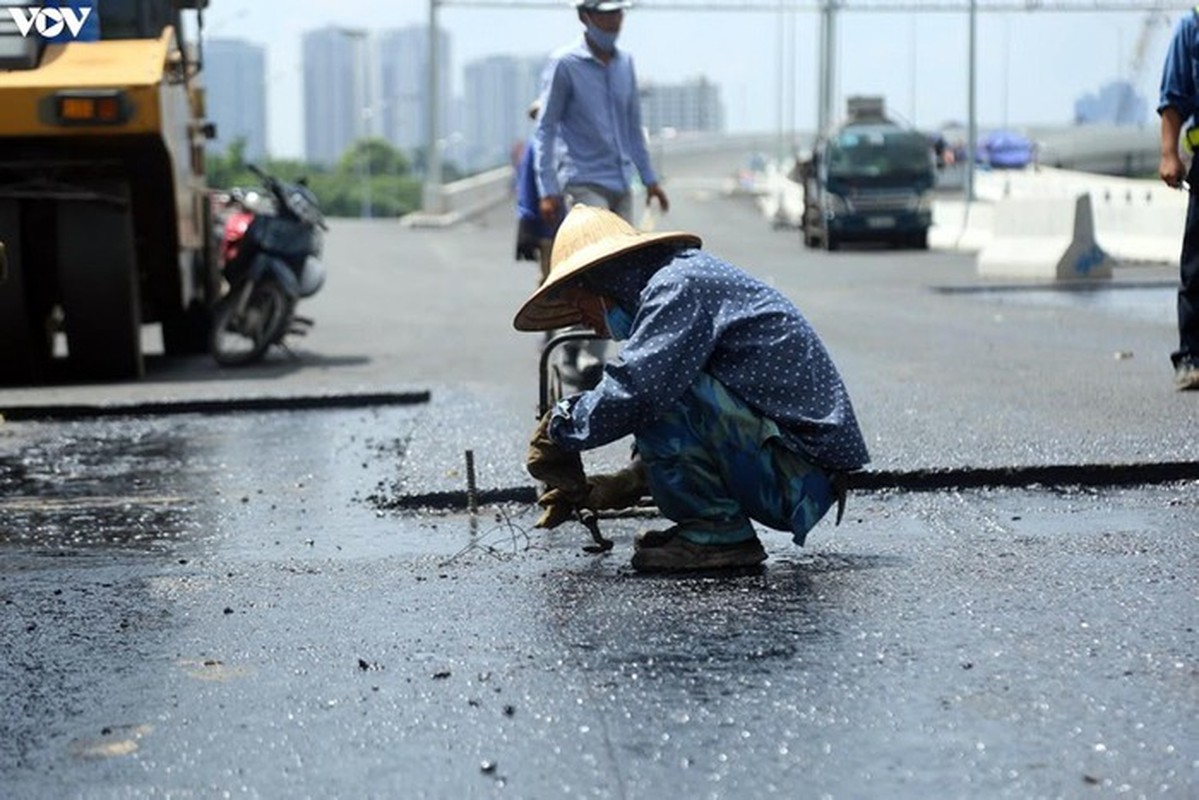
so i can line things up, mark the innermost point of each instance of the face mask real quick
(619, 322)
(604, 42)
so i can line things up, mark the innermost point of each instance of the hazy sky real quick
(1031, 65)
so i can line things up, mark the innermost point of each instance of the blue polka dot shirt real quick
(692, 313)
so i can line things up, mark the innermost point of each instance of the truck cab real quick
(103, 203)
(870, 179)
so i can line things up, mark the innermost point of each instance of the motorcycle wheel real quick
(241, 334)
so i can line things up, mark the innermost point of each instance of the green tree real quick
(375, 157)
(371, 175)
(222, 168)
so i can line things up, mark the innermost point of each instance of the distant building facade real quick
(235, 86)
(691, 106)
(336, 92)
(360, 85)
(1116, 103)
(497, 91)
(401, 108)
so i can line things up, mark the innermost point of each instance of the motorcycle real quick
(270, 251)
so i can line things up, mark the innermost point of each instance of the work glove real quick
(621, 489)
(552, 464)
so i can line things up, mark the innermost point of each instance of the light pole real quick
(432, 189)
(360, 38)
(825, 114)
(364, 157)
(971, 113)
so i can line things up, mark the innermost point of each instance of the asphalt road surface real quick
(271, 596)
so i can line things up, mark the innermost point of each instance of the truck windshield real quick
(859, 154)
(135, 19)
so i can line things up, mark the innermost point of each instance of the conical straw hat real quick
(587, 238)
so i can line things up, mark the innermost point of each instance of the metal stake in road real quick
(472, 495)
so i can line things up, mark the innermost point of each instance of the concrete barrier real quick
(1140, 223)
(464, 199)
(958, 225)
(1050, 238)
(780, 198)
(1136, 220)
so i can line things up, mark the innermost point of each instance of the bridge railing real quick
(463, 199)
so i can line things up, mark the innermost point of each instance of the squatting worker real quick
(736, 409)
(1179, 103)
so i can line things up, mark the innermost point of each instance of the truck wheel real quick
(26, 342)
(919, 240)
(97, 274)
(831, 241)
(185, 331)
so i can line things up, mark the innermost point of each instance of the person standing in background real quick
(589, 140)
(534, 236)
(1178, 104)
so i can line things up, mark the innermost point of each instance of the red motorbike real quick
(270, 250)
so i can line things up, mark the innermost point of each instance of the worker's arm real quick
(1171, 168)
(1179, 94)
(553, 104)
(674, 334)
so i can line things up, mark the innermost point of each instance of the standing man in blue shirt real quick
(1178, 104)
(590, 102)
(589, 140)
(736, 409)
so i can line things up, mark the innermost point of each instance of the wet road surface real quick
(194, 606)
(239, 604)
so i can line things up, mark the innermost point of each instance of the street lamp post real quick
(364, 158)
(971, 123)
(359, 36)
(432, 189)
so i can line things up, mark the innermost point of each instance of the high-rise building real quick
(693, 105)
(337, 91)
(1116, 103)
(235, 85)
(401, 108)
(497, 91)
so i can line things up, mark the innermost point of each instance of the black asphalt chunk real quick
(215, 406)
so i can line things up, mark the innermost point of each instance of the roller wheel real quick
(185, 331)
(97, 274)
(26, 342)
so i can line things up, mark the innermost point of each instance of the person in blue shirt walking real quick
(534, 237)
(737, 411)
(591, 103)
(1178, 104)
(588, 141)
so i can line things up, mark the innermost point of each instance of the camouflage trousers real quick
(713, 464)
